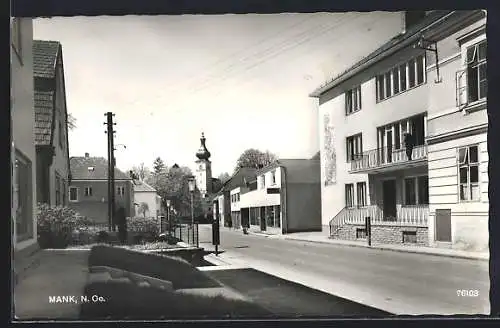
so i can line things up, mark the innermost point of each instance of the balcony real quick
(386, 159)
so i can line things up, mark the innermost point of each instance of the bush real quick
(102, 237)
(143, 229)
(55, 225)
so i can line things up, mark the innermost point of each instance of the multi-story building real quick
(51, 123)
(88, 191)
(369, 166)
(225, 201)
(284, 198)
(23, 153)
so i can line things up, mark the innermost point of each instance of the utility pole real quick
(111, 170)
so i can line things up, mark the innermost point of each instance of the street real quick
(397, 282)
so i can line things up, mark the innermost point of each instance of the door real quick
(389, 199)
(443, 225)
(263, 218)
(388, 140)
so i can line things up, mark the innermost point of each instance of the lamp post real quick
(192, 187)
(168, 217)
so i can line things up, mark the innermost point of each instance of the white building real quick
(146, 200)
(23, 153)
(365, 113)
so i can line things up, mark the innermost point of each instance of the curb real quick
(217, 261)
(476, 258)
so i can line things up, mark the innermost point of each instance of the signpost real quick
(368, 227)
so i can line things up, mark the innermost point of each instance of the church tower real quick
(203, 168)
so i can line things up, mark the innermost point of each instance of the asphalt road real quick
(401, 283)
(285, 299)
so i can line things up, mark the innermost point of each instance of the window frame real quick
(468, 165)
(353, 101)
(476, 64)
(361, 194)
(58, 189)
(381, 78)
(351, 143)
(77, 194)
(24, 215)
(120, 190)
(349, 187)
(418, 201)
(87, 192)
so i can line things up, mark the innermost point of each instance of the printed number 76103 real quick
(468, 292)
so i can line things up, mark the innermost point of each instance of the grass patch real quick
(128, 301)
(180, 272)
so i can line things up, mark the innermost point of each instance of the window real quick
(360, 233)
(58, 190)
(273, 177)
(349, 195)
(410, 191)
(61, 133)
(88, 191)
(477, 82)
(401, 78)
(468, 173)
(409, 237)
(416, 190)
(23, 190)
(353, 100)
(16, 41)
(354, 147)
(73, 194)
(361, 193)
(238, 197)
(121, 191)
(64, 195)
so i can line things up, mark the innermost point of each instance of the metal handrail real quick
(381, 156)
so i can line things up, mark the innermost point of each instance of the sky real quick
(243, 80)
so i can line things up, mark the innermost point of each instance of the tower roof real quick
(203, 152)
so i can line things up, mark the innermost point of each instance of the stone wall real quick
(384, 234)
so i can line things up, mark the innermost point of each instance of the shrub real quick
(143, 229)
(102, 237)
(55, 225)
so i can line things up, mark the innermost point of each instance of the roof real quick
(238, 179)
(142, 186)
(80, 169)
(381, 52)
(44, 107)
(298, 170)
(45, 58)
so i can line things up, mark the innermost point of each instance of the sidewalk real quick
(323, 238)
(59, 273)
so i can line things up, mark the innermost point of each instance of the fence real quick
(187, 233)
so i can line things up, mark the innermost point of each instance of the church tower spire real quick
(203, 168)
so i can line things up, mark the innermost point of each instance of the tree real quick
(158, 165)
(141, 172)
(223, 177)
(254, 158)
(173, 184)
(71, 122)
(143, 208)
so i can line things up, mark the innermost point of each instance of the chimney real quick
(86, 155)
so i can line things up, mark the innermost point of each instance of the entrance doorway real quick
(263, 218)
(389, 194)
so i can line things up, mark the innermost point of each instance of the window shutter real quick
(461, 87)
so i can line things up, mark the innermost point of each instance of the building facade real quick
(23, 153)
(88, 191)
(383, 152)
(145, 194)
(51, 123)
(284, 198)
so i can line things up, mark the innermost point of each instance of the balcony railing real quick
(386, 156)
(407, 215)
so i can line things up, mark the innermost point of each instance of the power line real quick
(339, 38)
(320, 33)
